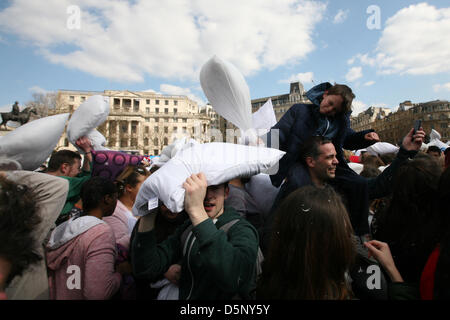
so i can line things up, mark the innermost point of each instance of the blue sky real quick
(161, 46)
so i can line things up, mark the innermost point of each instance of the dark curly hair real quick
(18, 220)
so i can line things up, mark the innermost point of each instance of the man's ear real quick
(310, 162)
(227, 191)
(64, 168)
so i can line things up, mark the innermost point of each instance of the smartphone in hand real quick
(417, 125)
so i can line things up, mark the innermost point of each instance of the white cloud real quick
(37, 89)
(128, 40)
(354, 74)
(358, 107)
(304, 78)
(174, 90)
(441, 87)
(416, 40)
(369, 83)
(341, 16)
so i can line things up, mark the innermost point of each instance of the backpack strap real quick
(228, 225)
(184, 237)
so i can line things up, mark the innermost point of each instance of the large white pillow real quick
(227, 91)
(32, 143)
(220, 162)
(89, 115)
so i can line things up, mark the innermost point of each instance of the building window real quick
(166, 129)
(166, 110)
(184, 120)
(166, 141)
(156, 129)
(147, 110)
(155, 141)
(146, 130)
(175, 110)
(147, 101)
(157, 110)
(175, 129)
(166, 102)
(71, 98)
(126, 103)
(155, 152)
(83, 99)
(175, 102)
(184, 130)
(156, 119)
(116, 103)
(147, 119)
(145, 141)
(156, 101)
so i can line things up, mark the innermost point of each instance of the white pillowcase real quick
(380, 148)
(89, 115)
(227, 91)
(220, 162)
(32, 143)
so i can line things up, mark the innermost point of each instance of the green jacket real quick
(216, 265)
(75, 185)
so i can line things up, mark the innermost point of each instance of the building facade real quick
(282, 103)
(392, 127)
(143, 122)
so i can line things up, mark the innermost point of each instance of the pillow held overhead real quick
(227, 91)
(220, 162)
(89, 115)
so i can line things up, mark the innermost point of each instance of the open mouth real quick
(208, 206)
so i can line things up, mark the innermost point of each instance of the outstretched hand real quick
(372, 136)
(413, 141)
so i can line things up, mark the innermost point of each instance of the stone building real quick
(394, 126)
(282, 103)
(143, 122)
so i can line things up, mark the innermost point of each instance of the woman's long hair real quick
(411, 223)
(130, 176)
(311, 248)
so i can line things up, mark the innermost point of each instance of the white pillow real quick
(357, 167)
(168, 152)
(220, 162)
(227, 91)
(32, 143)
(89, 115)
(380, 148)
(98, 141)
(264, 118)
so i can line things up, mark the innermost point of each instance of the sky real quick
(386, 51)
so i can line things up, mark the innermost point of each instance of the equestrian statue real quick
(16, 115)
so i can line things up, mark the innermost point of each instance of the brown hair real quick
(311, 248)
(346, 93)
(130, 176)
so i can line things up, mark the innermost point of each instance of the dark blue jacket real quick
(300, 123)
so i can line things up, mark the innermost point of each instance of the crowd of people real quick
(330, 234)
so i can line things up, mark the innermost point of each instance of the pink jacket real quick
(80, 257)
(122, 223)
